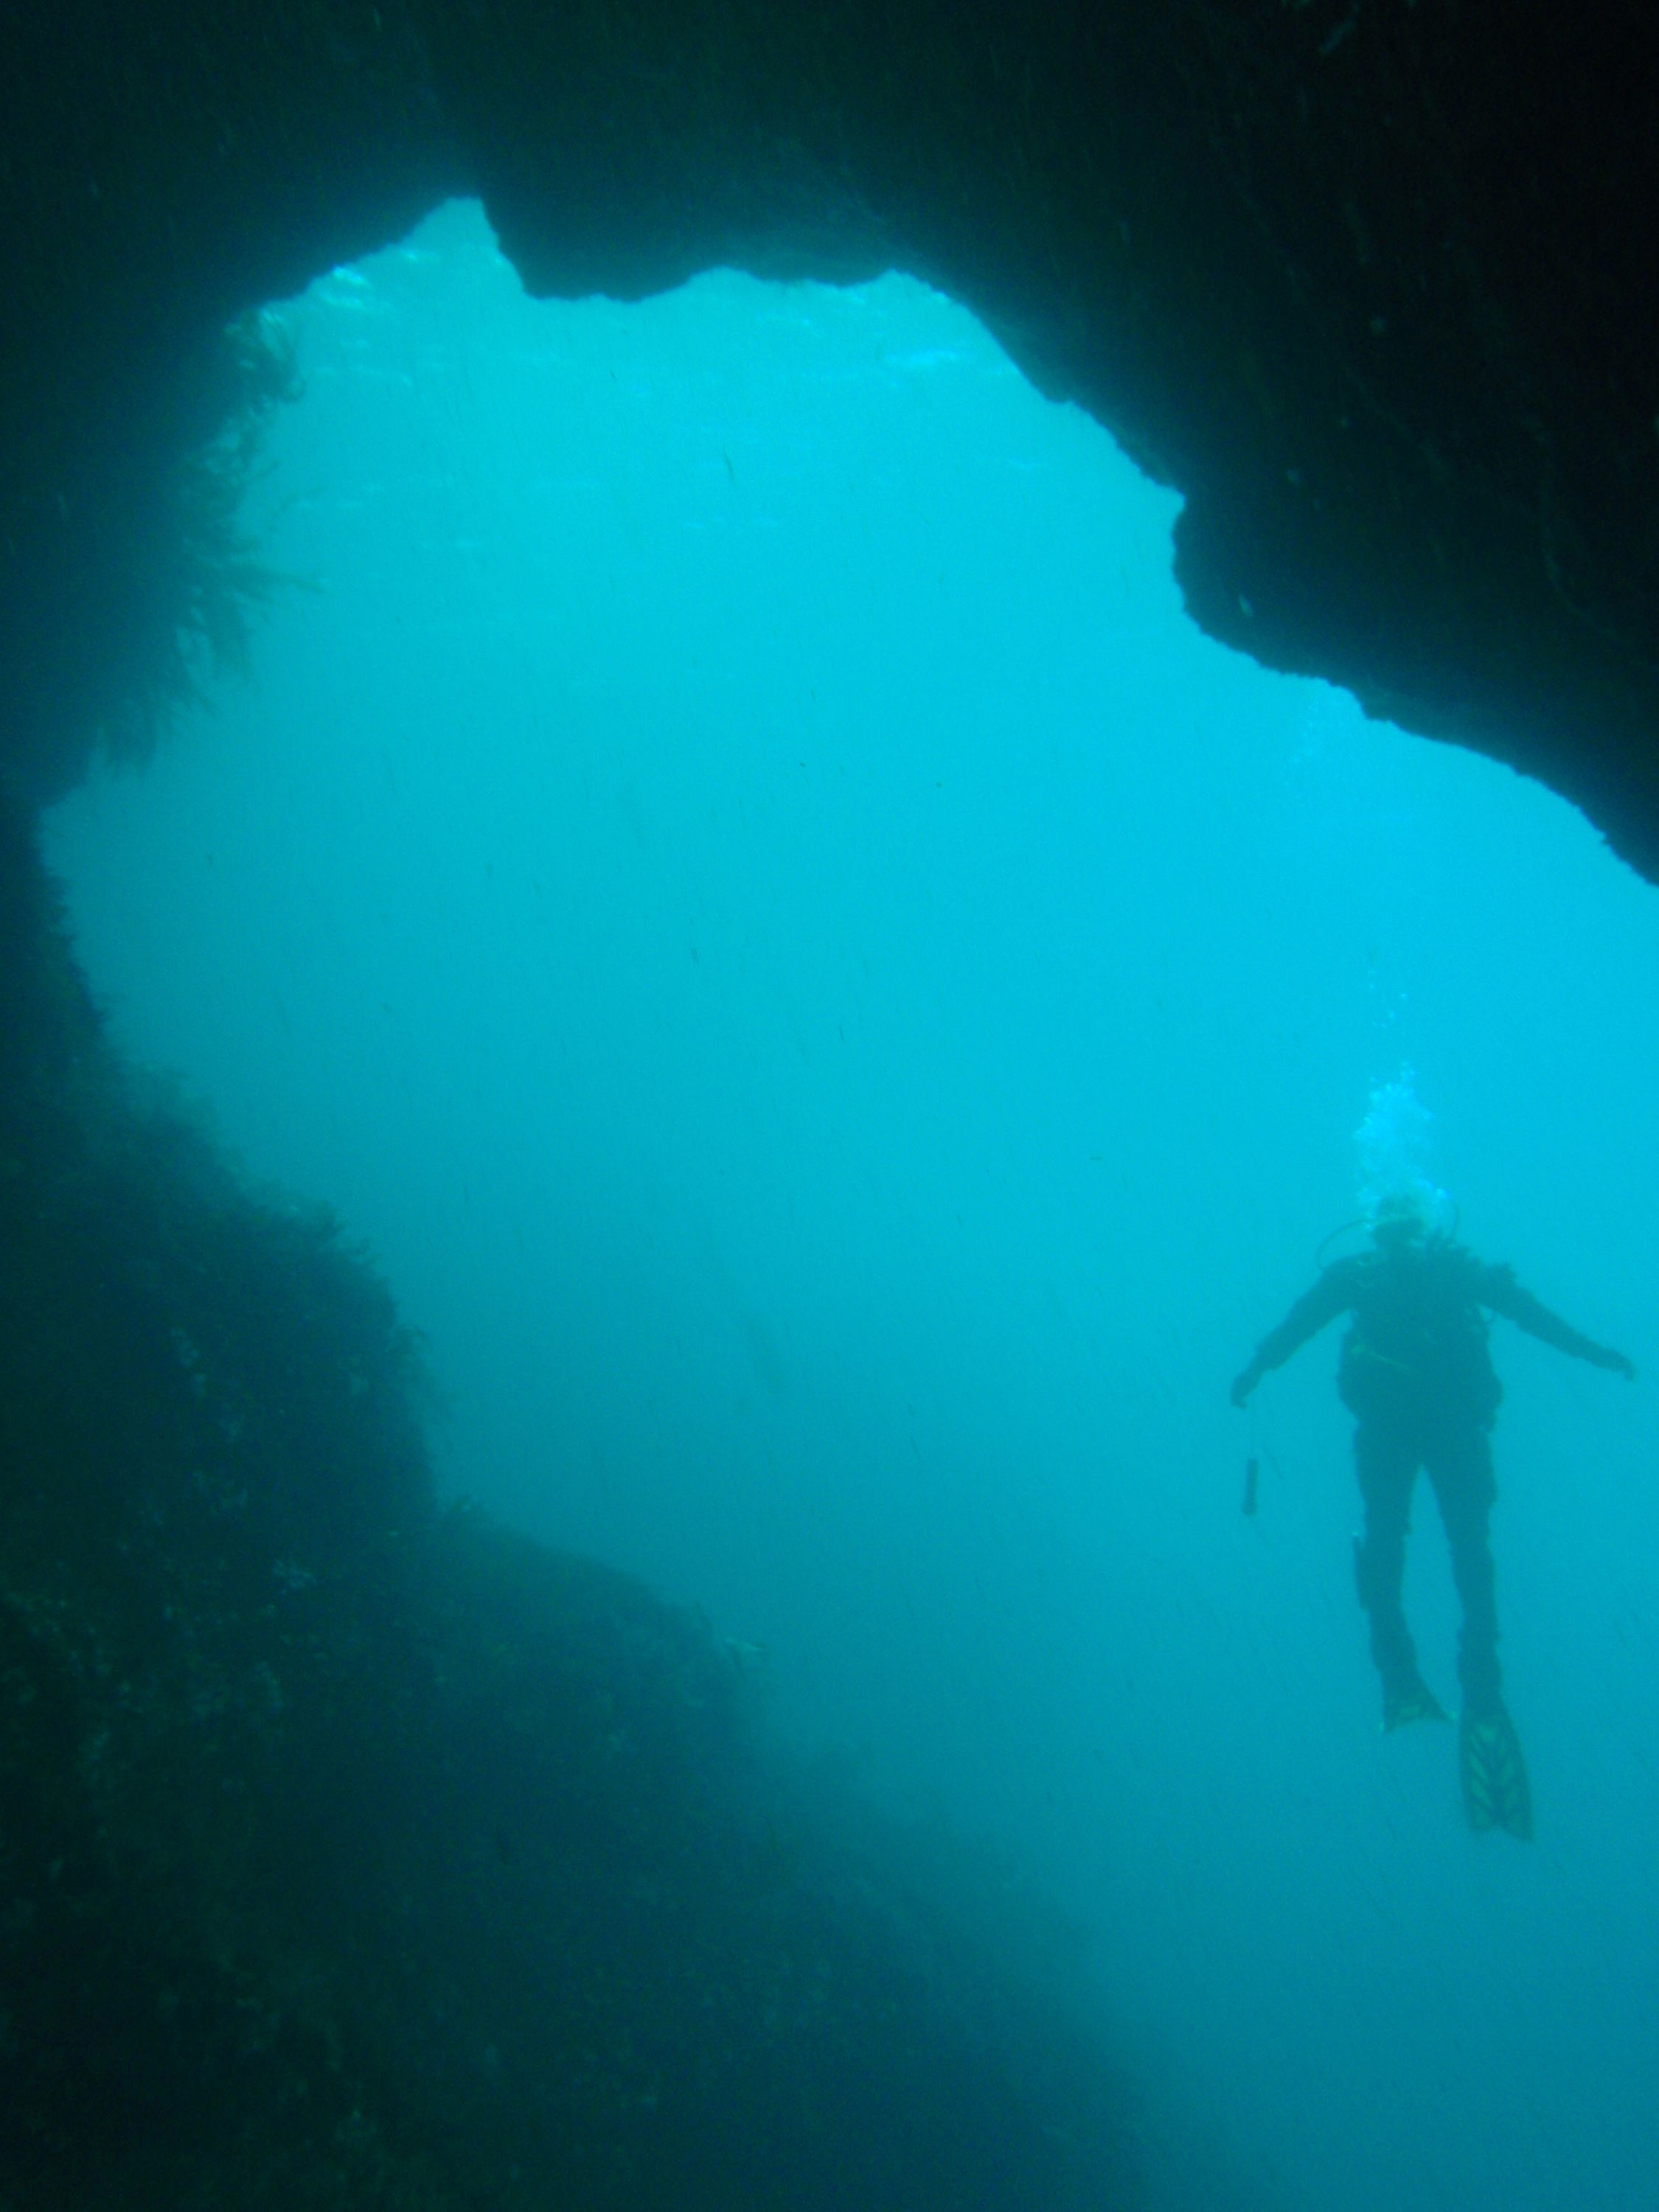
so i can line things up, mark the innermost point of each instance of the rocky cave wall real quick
(1366, 279)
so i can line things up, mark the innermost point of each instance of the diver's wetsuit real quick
(1419, 1378)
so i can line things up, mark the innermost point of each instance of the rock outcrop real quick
(1366, 279)
(355, 1856)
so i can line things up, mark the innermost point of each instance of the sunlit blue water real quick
(843, 1019)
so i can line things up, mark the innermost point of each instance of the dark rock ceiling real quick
(1370, 281)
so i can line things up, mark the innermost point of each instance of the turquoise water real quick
(843, 1019)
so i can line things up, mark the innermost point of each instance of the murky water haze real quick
(843, 1018)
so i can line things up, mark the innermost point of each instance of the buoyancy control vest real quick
(1417, 1348)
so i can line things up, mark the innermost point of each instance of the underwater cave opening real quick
(842, 1015)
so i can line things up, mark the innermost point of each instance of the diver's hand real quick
(1242, 1386)
(1614, 1362)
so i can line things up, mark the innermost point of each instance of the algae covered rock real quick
(357, 1854)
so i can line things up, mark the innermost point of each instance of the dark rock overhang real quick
(1369, 280)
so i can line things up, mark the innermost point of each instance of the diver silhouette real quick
(1417, 1376)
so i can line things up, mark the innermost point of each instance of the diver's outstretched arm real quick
(1503, 1295)
(1331, 1295)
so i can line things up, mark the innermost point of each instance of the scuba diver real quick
(1417, 1378)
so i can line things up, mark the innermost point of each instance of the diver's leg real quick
(1386, 1461)
(1496, 1791)
(1459, 1467)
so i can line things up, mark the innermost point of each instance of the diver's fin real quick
(1496, 1791)
(1408, 1701)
